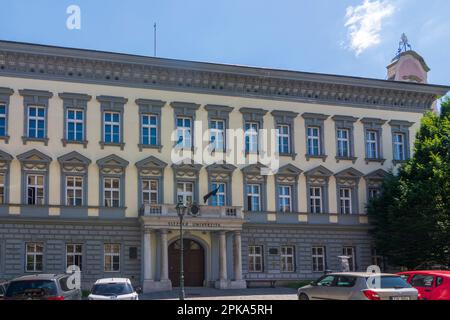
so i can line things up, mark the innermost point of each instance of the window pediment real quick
(349, 173)
(112, 164)
(319, 171)
(379, 174)
(34, 156)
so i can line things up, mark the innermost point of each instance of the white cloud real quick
(364, 23)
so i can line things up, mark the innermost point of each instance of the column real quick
(237, 256)
(148, 274)
(164, 256)
(223, 256)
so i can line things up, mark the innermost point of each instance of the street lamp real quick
(181, 211)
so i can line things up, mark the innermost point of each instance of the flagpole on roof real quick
(154, 44)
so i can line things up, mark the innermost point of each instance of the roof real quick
(39, 277)
(430, 272)
(112, 280)
(360, 274)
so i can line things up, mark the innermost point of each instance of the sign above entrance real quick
(204, 225)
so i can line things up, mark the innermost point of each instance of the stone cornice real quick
(87, 66)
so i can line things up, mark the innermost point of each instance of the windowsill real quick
(323, 157)
(292, 155)
(112, 144)
(149, 146)
(66, 142)
(379, 160)
(5, 138)
(112, 208)
(352, 159)
(28, 139)
(396, 162)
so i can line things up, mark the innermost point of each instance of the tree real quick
(411, 217)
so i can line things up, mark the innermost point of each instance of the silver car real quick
(358, 286)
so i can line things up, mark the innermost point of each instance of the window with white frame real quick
(74, 191)
(287, 259)
(313, 141)
(255, 259)
(111, 128)
(185, 192)
(150, 191)
(111, 192)
(253, 197)
(112, 257)
(74, 255)
(184, 133)
(318, 259)
(284, 145)
(220, 198)
(36, 122)
(285, 198)
(315, 199)
(345, 200)
(35, 189)
(251, 137)
(217, 134)
(75, 125)
(3, 120)
(372, 144)
(343, 143)
(149, 129)
(2, 189)
(350, 253)
(34, 257)
(399, 146)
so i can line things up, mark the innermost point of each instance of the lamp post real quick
(181, 211)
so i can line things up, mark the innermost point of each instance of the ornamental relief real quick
(35, 166)
(347, 182)
(374, 183)
(317, 181)
(186, 174)
(74, 168)
(219, 176)
(285, 179)
(109, 170)
(150, 172)
(254, 178)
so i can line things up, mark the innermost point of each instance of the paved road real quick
(214, 294)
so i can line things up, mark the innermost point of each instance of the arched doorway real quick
(194, 263)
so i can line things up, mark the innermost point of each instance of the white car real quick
(114, 289)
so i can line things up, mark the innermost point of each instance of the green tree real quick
(411, 217)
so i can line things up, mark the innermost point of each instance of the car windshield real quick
(32, 288)
(390, 282)
(112, 289)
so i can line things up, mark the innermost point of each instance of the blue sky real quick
(356, 38)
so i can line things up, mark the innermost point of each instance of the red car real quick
(431, 284)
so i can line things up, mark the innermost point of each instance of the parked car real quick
(431, 284)
(114, 289)
(42, 287)
(357, 286)
(3, 286)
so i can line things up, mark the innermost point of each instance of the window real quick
(36, 122)
(74, 255)
(150, 191)
(313, 140)
(111, 127)
(326, 281)
(372, 144)
(318, 258)
(3, 120)
(345, 281)
(345, 200)
(284, 145)
(74, 191)
(184, 133)
(2, 189)
(251, 137)
(422, 280)
(112, 257)
(111, 189)
(377, 259)
(220, 198)
(253, 197)
(315, 198)
(350, 252)
(185, 192)
(75, 125)
(255, 259)
(149, 129)
(35, 189)
(287, 259)
(217, 134)
(34, 257)
(284, 198)
(343, 137)
(373, 193)
(399, 146)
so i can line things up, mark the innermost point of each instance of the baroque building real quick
(88, 176)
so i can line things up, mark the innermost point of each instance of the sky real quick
(355, 38)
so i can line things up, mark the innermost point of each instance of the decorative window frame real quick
(189, 110)
(401, 126)
(36, 98)
(112, 104)
(287, 175)
(315, 120)
(348, 178)
(374, 180)
(112, 166)
(5, 162)
(79, 102)
(221, 173)
(5, 94)
(151, 107)
(346, 123)
(34, 162)
(186, 172)
(318, 177)
(74, 164)
(374, 124)
(219, 112)
(253, 115)
(252, 175)
(286, 118)
(151, 168)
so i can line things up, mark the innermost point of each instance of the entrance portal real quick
(194, 263)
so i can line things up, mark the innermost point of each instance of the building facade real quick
(88, 177)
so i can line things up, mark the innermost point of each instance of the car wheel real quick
(303, 297)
